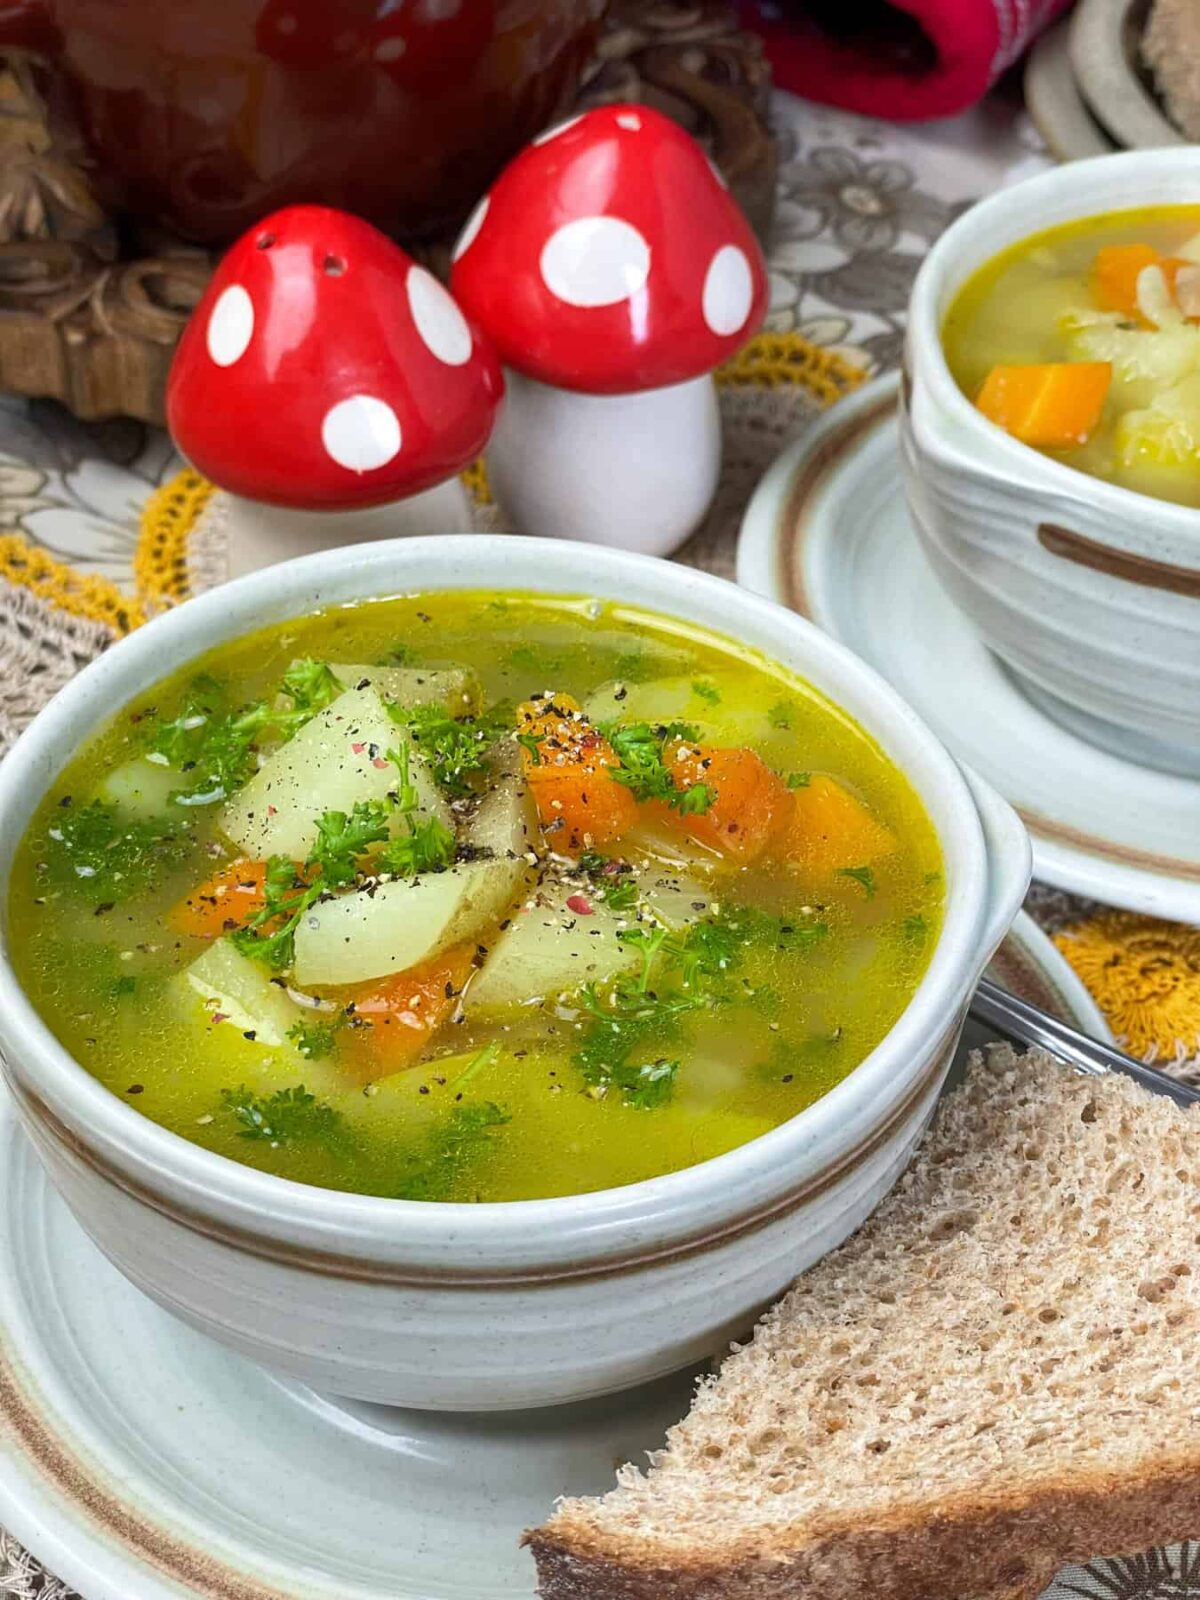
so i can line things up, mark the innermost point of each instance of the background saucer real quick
(828, 534)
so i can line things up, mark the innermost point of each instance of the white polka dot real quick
(728, 290)
(717, 173)
(627, 119)
(559, 127)
(390, 49)
(471, 229)
(439, 321)
(595, 261)
(361, 433)
(230, 326)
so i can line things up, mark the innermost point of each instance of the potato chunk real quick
(336, 759)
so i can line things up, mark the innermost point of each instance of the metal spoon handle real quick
(1023, 1023)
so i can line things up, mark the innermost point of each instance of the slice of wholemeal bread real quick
(999, 1373)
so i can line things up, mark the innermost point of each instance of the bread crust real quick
(1002, 1549)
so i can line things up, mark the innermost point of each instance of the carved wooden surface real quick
(80, 325)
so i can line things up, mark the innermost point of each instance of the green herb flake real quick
(708, 692)
(863, 876)
(614, 882)
(316, 1040)
(915, 929)
(456, 749)
(531, 742)
(287, 1117)
(428, 846)
(641, 748)
(455, 1143)
(798, 780)
(343, 839)
(310, 685)
(107, 856)
(780, 715)
(287, 898)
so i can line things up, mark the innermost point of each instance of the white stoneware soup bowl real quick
(502, 1305)
(1090, 593)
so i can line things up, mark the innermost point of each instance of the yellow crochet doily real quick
(1145, 975)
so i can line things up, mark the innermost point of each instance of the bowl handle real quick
(1010, 863)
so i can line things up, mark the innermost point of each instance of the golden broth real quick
(1035, 303)
(499, 1107)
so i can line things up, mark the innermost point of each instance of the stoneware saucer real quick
(142, 1459)
(827, 534)
(1052, 98)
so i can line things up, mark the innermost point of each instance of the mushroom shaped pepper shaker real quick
(332, 387)
(613, 272)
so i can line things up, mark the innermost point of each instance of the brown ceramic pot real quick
(204, 114)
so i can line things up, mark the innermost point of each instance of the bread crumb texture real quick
(997, 1374)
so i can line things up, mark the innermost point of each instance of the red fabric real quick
(971, 43)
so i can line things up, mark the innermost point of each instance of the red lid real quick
(324, 368)
(609, 257)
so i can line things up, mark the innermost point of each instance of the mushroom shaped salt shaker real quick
(332, 388)
(613, 272)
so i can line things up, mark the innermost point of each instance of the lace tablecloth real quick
(97, 533)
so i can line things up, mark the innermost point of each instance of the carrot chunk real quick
(1051, 406)
(224, 901)
(831, 829)
(750, 803)
(394, 1021)
(1115, 273)
(566, 766)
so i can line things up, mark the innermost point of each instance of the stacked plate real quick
(1088, 88)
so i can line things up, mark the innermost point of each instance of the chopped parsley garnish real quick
(125, 984)
(708, 692)
(531, 742)
(915, 929)
(289, 1116)
(97, 849)
(455, 748)
(709, 951)
(641, 749)
(400, 655)
(310, 685)
(780, 715)
(316, 1040)
(270, 935)
(216, 749)
(648, 940)
(613, 881)
(450, 1147)
(342, 839)
(428, 846)
(798, 780)
(862, 876)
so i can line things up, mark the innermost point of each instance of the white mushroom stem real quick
(637, 471)
(259, 535)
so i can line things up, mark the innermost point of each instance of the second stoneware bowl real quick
(499, 1306)
(1088, 592)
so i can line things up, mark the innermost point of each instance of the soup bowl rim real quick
(215, 1192)
(961, 251)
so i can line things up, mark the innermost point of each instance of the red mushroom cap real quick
(324, 368)
(609, 257)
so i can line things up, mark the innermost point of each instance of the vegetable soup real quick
(1084, 341)
(475, 897)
